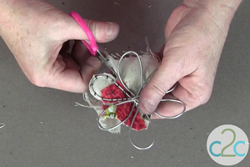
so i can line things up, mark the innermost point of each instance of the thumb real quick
(164, 78)
(102, 31)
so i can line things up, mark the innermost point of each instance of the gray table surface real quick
(45, 129)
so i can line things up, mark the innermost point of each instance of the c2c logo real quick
(227, 145)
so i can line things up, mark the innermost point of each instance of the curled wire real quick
(2, 125)
(134, 98)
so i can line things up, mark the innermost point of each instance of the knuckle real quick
(158, 88)
(85, 88)
(178, 64)
(92, 26)
(203, 99)
(37, 81)
(202, 95)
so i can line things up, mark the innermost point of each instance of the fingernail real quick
(149, 106)
(110, 29)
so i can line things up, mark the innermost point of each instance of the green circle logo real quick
(227, 145)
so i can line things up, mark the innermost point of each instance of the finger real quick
(175, 18)
(71, 80)
(65, 79)
(80, 53)
(165, 77)
(169, 108)
(185, 91)
(103, 31)
(88, 64)
(89, 68)
(194, 89)
(83, 57)
(70, 62)
(191, 90)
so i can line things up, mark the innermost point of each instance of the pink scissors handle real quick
(92, 47)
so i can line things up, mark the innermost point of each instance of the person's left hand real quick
(195, 36)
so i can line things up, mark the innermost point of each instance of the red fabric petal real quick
(122, 111)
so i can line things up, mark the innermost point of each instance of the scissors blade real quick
(104, 61)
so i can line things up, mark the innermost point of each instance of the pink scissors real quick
(92, 46)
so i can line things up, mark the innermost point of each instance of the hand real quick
(195, 35)
(35, 32)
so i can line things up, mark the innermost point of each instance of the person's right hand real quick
(35, 32)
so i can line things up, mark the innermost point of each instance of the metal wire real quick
(2, 125)
(134, 98)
